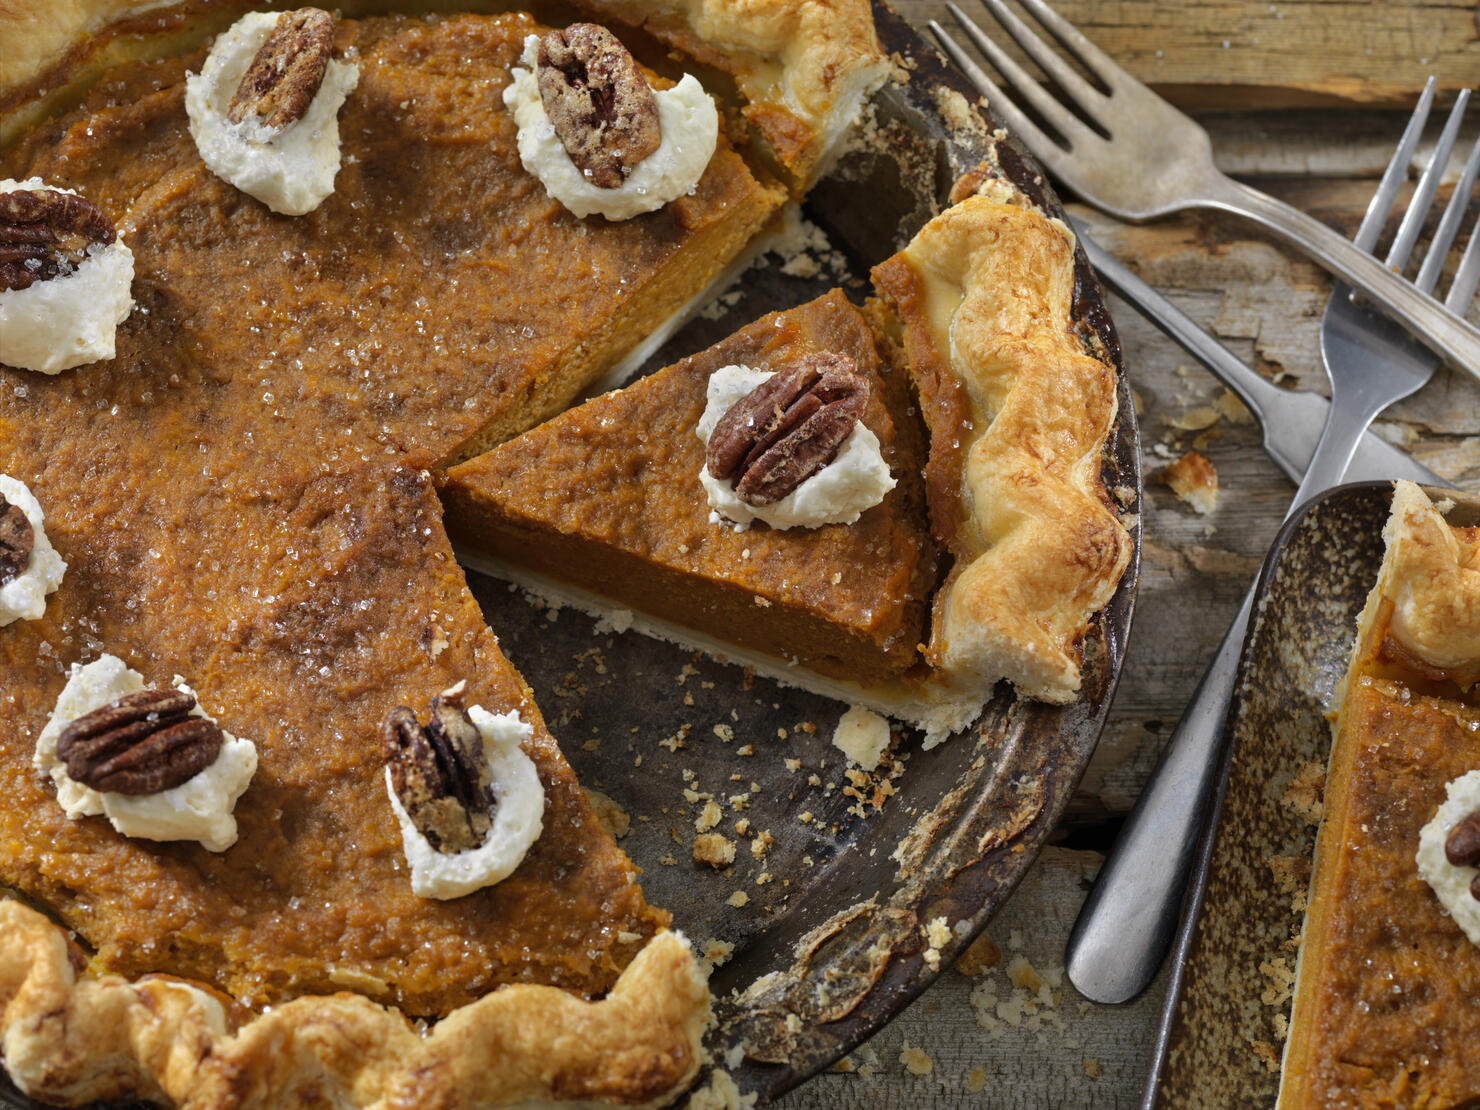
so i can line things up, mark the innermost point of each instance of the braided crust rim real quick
(75, 1039)
(1019, 416)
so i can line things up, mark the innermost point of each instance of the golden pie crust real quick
(1018, 415)
(1384, 1009)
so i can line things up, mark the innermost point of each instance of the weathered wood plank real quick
(1248, 54)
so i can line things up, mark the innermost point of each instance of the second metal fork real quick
(1130, 153)
(1128, 920)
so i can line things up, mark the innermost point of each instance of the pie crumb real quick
(718, 952)
(609, 815)
(714, 849)
(1193, 479)
(981, 955)
(976, 1079)
(915, 1060)
(738, 899)
(1091, 1067)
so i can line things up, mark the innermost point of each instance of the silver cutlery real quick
(1290, 420)
(1127, 922)
(1128, 152)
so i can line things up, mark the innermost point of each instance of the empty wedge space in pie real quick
(334, 282)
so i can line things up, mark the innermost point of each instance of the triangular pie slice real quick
(975, 330)
(607, 497)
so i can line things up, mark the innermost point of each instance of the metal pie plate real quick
(828, 927)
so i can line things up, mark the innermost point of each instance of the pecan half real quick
(16, 540)
(287, 70)
(439, 772)
(788, 428)
(44, 233)
(140, 744)
(601, 106)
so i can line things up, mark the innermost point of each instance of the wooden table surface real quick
(1306, 101)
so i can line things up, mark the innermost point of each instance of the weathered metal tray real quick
(828, 927)
(1221, 1035)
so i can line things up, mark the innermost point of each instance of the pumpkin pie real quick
(607, 497)
(243, 496)
(1389, 965)
(984, 563)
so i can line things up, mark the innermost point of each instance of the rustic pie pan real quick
(1221, 1035)
(828, 928)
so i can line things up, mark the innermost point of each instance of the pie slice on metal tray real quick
(1388, 965)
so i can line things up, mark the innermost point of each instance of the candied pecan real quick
(600, 105)
(1462, 845)
(16, 541)
(788, 428)
(287, 70)
(140, 744)
(439, 772)
(44, 233)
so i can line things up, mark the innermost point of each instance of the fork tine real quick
(1049, 60)
(1449, 225)
(1423, 196)
(1046, 150)
(1466, 277)
(1054, 114)
(1392, 177)
(1094, 59)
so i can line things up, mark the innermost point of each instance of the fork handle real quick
(1454, 340)
(1126, 924)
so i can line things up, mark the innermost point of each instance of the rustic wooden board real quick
(1246, 54)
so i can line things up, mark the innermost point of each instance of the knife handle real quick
(1126, 925)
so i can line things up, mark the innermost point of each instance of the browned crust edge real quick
(75, 1039)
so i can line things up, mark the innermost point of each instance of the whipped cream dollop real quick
(518, 816)
(688, 123)
(856, 480)
(24, 597)
(198, 809)
(292, 169)
(71, 319)
(1449, 883)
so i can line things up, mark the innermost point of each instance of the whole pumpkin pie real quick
(242, 498)
(984, 562)
(1390, 961)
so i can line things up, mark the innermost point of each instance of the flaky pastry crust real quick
(1019, 416)
(1430, 578)
(75, 1039)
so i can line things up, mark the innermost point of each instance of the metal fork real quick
(1127, 922)
(1135, 156)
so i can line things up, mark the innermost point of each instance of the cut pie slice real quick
(608, 498)
(1389, 966)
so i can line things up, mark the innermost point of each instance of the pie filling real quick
(1387, 975)
(239, 497)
